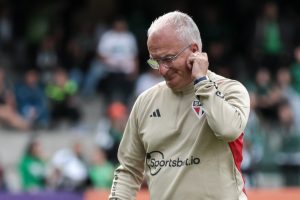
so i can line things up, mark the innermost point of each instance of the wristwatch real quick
(198, 80)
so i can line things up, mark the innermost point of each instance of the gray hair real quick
(184, 25)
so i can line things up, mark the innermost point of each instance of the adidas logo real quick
(156, 113)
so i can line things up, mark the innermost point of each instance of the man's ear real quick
(194, 47)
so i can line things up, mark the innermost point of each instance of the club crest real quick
(198, 108)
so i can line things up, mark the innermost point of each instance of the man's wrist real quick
(199, 79)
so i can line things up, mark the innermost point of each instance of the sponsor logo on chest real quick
(156, 161)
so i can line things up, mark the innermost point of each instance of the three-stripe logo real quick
(156, 113)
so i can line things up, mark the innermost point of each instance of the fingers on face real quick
(190, 61)
(203, 55)
(196, 55)
(199, 56)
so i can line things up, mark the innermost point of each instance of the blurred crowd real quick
(69, 169)
(63, 54)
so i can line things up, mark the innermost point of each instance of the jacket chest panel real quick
(172, 122)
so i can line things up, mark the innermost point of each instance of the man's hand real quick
(198, 64)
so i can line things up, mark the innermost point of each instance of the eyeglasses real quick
(156, 62)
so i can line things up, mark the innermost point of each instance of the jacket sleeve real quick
(131, 154)
(227, 106)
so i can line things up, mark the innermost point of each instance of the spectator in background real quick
(147, 80)
(101, 171)
(295, 70)
(70, 171)
(253, 144)
(47, 58)
(110, 130)
(287, 92)
(272, 37)
(8, 111)
(31, 99)
(117, 53)
(61, 93)
(32, 168)
(288, 154)
(263, 86)
(76, 60)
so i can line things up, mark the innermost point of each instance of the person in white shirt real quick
(117, 62)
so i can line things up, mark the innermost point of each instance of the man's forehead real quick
(158, 40)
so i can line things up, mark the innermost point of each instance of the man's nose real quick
(163, 69)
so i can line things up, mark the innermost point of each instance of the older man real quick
(184, 134)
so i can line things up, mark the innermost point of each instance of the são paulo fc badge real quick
(198, 108)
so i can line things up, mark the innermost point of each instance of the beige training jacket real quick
(187, 144)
